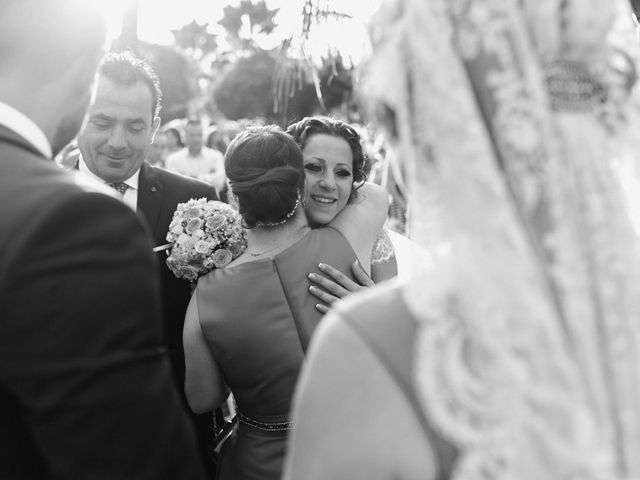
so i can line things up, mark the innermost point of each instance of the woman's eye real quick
(312, 167)
(343, 173)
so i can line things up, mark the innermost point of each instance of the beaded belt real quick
(269, 426)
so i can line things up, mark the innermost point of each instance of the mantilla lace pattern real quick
(527, 358)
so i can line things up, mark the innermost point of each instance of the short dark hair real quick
(125, 68)
(306, 128)
(265, 172)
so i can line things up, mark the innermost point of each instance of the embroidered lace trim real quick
(527, 355)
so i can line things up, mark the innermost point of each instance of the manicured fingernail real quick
(322, 266)
(313, 289)
(313, 276)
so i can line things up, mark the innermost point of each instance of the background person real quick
(216, 138)
(174, 140)
(158, 150)
(85, 381)
(196, 160)
(248, 325)
(114, 143)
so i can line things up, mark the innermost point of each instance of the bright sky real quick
(157, 17)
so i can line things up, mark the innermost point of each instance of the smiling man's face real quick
(118, 131)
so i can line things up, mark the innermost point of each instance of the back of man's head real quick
(45, 35)
(49, 50)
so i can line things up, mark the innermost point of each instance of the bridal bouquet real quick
(203, 235)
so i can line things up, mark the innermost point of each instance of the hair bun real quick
(258, 177)
(265, 171)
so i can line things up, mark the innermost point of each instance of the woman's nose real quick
(328, 183)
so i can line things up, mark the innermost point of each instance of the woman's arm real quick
(203, 384)
(361, 220)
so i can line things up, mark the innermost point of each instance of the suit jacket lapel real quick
(149, 195)
(9, 136)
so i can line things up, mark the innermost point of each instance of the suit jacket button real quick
(154, 189)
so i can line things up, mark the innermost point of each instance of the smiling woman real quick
(328, 170)
(334, 165)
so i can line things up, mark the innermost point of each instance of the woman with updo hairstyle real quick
(265, 175)
(248, 325)
(335, 166)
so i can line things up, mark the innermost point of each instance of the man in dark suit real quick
(85, 380)
(122, 121)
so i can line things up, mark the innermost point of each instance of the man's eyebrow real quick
(101, 116)
(137, 120)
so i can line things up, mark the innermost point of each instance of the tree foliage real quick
(195, 39)
(243, 79)
(178, 78)
(272, 86)
(261, 18)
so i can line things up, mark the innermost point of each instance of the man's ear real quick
(154, 128)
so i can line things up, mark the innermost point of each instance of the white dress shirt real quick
(25, 127)
(130, 196)
(208, 165)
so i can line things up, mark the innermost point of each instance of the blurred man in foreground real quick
(85, 382)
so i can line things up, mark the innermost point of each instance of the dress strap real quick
(389, 329)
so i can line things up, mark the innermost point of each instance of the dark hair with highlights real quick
(265, 172)
(126, 69)
(303, 130)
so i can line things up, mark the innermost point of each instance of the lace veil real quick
(527, 358)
